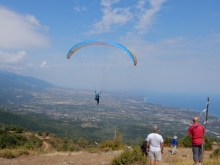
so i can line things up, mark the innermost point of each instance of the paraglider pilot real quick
(97, 96)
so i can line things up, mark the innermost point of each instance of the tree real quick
(44, 135)
(167, 141)
(82, 142)
(208, 144)
(186, 141)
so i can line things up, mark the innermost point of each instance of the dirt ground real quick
(74, 158)
(85, 158)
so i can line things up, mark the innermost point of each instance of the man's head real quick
(155, 128)
(195, 120)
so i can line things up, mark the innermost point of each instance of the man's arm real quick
(147, 146)
(161, 146)
(190, 131)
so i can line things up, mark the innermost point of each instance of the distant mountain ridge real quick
(12, 80)
(11, 85)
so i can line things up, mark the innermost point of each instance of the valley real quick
(74, 113)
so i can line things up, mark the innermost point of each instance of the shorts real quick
(155, 155)
(197, 152)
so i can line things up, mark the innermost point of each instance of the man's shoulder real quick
(150, 135)
(159, 135)
(193, 126)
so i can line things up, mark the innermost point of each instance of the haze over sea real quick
(195, 102)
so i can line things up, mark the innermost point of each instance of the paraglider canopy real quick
(99, 63)
(101, 42)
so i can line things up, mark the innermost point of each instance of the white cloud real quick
(84, 8)
(182, 63)
(146, 16)
(31, 19)
(15, 62)
(43, 64)
(108, 3)
(111, 17)
(140, 4)
(79, 9)
(20, 31)
(11, 59)
(143, 17)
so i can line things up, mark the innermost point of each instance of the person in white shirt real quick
(154, 146)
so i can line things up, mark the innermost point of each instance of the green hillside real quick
(31, 121)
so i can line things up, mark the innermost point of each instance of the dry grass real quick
(183, 157)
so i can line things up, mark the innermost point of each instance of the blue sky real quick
(177, 43)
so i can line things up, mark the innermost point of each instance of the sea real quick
(195, 102)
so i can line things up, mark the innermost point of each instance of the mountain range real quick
(11, 84)
(12, 80)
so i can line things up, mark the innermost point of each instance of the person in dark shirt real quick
(97, 96)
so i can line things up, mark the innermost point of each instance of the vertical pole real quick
(206, 121)
(207, 112)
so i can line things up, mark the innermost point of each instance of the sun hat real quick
(175, 137)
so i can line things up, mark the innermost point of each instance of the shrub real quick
(23, 152)
(1, 131)
(215, 154)
(130, 157)
(19, 130)
(35, 142)
(167, 141)
(82, 142)
(66, 144)
(9, 153)
(2, 143)
(39, 133)
(31, 143)
(111, 144)
(208, 144)
(73, 148)
(186, 141)
(15, 128)
(115, 144)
